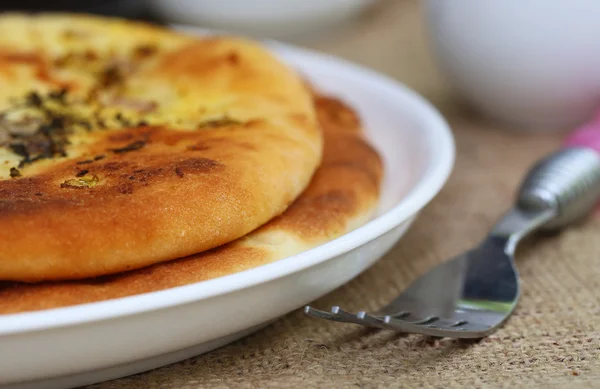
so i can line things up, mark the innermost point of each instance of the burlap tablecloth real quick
(551, 341)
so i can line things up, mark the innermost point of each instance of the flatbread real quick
(342, 195)
(123, 144)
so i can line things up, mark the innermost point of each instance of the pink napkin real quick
(588, 135)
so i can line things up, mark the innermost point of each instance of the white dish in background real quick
(279, 18)
(534, 64)
(73, 346)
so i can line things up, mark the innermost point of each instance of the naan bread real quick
(342, 195)
(123, 145)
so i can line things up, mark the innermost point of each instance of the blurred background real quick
(270, 18)
(388, 36)
(504, 59)
(128, 8)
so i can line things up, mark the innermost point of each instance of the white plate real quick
(73, 346)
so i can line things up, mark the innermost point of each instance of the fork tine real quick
(470, 326)
(404, 326)
(438, 328)
(321, 314)
(374, 321)
(441, 328)
(426, 320)
(339, 315)
(399, 315)
(349, 317)
(336, 314)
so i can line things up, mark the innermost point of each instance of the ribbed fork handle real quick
(559, 190)
(567, 181)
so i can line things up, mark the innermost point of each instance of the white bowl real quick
(72, 346)
(534, 64)
(274, 18)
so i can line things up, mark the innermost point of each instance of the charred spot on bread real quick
(111, 76)
(233, 58)
(14, 172)
(221, 122)
(199, 146)
(145, 50)
(34, 99)
(197, 165)
(125, 188)
(58, 95)
(138, 144)
(114, 166)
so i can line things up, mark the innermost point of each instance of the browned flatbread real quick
(341, 196)
(123, 145)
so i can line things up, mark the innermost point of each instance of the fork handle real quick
(566, 182)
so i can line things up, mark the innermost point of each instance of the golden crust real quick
(174, 145)
(341, 196)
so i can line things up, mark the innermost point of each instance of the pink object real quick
(587, 135)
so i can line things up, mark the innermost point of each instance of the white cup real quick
(532, 63)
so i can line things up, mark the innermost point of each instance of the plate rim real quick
(417, 197)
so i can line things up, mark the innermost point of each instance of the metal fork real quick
(471, 295)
